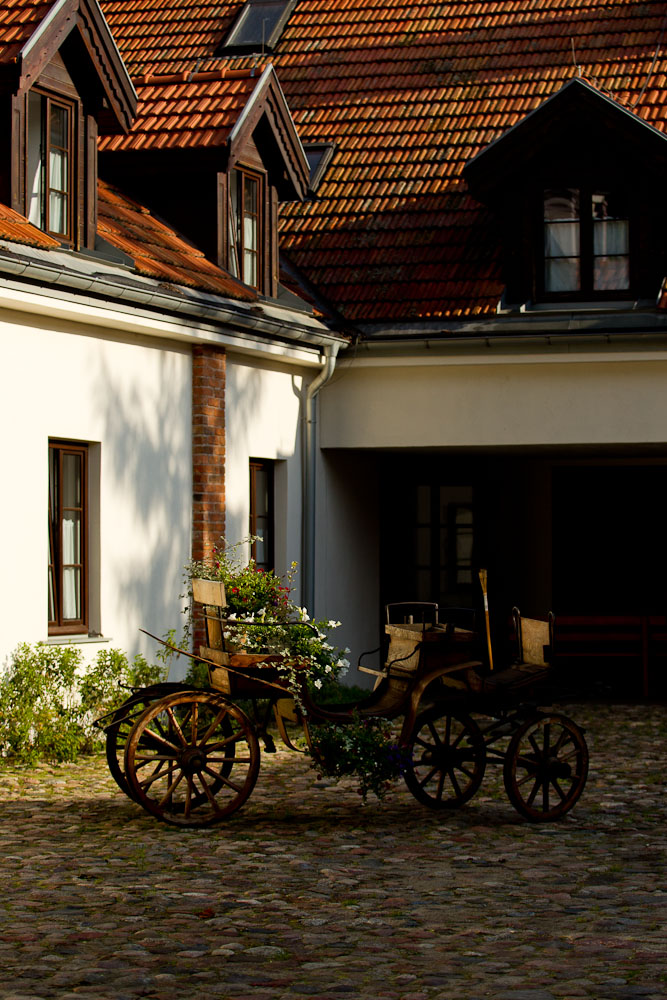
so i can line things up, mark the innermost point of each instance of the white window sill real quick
(76, 640)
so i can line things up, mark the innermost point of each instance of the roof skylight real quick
(257, 27)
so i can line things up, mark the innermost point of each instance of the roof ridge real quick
(149, 79)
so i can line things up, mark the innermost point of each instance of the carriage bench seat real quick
(519, 675)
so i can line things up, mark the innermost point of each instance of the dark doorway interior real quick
(584, 538)
(610, 539)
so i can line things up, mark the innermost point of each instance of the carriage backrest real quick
(534, 638)
(211, 593)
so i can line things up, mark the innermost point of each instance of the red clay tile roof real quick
(157, 250)
(409, 91)
(16, 229)
(19, 19)
(186, 110)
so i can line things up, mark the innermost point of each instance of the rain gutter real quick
(483, 349)
(309, 477)
(102, 299)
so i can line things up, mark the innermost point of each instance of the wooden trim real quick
(90, 167)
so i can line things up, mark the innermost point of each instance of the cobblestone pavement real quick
(307, 893)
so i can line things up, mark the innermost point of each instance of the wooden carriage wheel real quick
(448, 758)
(192, 758)
(546, 766)
(118, 728)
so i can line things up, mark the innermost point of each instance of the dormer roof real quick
(216, 109)
(578, 123)
(31, 34)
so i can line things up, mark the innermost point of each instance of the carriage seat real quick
(534, 641)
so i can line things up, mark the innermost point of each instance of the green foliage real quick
(362, 748)
(49, 700)
(261, 617)
(248, 588)
(197, 675)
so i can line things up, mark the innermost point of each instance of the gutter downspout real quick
(309, 464)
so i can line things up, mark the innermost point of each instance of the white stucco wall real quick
(347, 554)
(130, 398)
(263, 420)
(459, 402)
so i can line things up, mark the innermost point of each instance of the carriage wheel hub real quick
(192, 760)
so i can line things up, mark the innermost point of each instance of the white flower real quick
(232, 617)
(347, 650)
(328, 668)
(333, 624)
(343, 663)
(317, 683)
(303, 614)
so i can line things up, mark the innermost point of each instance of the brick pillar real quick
(208, 452)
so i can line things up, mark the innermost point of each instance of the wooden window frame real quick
(59, 625)
(263, 465)
(48, 101)
(235, 225)
(586, 291)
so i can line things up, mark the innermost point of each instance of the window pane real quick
(71, 538)
(71, 593)
(560, 205)
(561, 274)
(57, 213)
(611, 237)
(250, 268)
(257, 23)
(58, 170)
(608, 205)
(611, 273)
(250, 196)
(71, 484)
(250, 233)
(561, 239)
(59, 126)
(35, 173)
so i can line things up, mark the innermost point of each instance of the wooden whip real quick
(483, 581)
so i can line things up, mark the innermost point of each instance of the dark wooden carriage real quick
(192, 757)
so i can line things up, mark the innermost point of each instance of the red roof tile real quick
(157, 250)
(16, 229)
(409, 90)
(186, 111)
(19, 19)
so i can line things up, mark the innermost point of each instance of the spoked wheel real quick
(448, 758)
(192, 758)
(545, 767)
(121, 722)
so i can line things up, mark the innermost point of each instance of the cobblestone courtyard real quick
(307, 893)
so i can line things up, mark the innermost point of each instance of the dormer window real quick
(586, 243)
(245, 226)
(50, 148)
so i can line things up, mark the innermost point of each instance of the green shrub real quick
(49, 702)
